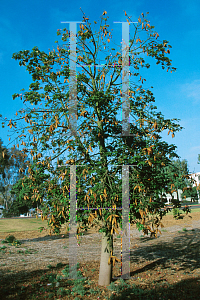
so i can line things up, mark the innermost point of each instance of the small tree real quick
(97, 107)
(190, 192)
(178, 174)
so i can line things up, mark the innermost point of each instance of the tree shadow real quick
(184, 249)
(54, 236)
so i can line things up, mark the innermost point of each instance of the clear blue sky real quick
(25, 24)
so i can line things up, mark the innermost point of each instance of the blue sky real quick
(25, 24)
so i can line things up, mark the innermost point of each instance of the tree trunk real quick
(105, 271)
(6, 204)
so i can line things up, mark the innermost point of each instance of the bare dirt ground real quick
(39, 249)
(172, 257)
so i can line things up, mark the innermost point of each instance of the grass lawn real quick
(29, 224)
(181, 211)
(22, 224)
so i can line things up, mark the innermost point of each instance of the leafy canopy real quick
(47, 136)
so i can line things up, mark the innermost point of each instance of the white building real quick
(174, 195)
(196, 178)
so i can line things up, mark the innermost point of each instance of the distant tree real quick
(178, 177)
(15, 210)
(16, 162)
(190, 192)
(1, 200)
(5, 164)
(4, 160)
(25, 194)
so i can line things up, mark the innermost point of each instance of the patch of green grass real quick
(21, 224)
(182, 212)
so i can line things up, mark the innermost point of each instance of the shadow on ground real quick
(183, 249)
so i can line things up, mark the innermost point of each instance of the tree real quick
(1, 200)
(190, 192)
(5, 165)
(97, 106)
(24, 198)
(4, 160)
(11, 175)
(178, 174)
(15, 210)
